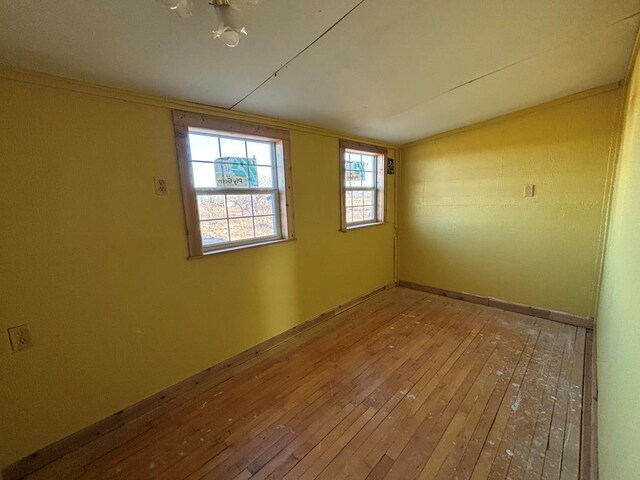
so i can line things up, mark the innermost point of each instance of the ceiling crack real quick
(526, 59)
(275, 74)
(486, 75)
(629, 17)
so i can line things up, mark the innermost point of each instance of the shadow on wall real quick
(95, 262)
(466, 226)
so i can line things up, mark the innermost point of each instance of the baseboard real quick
(589, 452)
(562, 317)
(164, 398)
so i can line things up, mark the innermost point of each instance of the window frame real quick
(380, 187)
(233, 128)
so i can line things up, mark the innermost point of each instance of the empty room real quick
(319, 239)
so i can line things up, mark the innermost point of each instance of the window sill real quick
(364, 225)
(240, 247)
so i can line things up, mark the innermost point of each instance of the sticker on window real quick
(236, 172)
(355, 171)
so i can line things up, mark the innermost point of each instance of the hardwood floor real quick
(405, 385)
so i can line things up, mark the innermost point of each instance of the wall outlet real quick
(20, 337)
(529, 191)
(161, 185)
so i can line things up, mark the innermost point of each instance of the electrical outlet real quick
(161, 185)
(529, 191)
(20, 337)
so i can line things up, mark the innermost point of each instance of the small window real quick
(362, 182)
(235, 181)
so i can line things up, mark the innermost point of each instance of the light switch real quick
(529, 191)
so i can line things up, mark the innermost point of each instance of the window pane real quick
(214, 232)
(211, 206)
(368, 179)
(348, 198)
(354, 170)
(354, 162)
(262, 151)
(203, 147)
(368, 213)
(230, 147)
(368, 198)
(353, 178)
(241, 228)
(265, 226)
(265, 177)
(204, 175)
(263, 204)
(369, 163)
(358, 214)
(236, 172)
(236, 187)
(361, 175)
(239, 205)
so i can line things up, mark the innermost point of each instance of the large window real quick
(235, 182)
(362, 182)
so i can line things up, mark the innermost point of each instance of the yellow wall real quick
(618, 320)
(95, 263)
(465, 226)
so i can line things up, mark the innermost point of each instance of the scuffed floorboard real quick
(405, 385)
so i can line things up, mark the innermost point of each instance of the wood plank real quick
(587, 412)
(516, 441)
(382, 436)
(404, 385)
(210, 424)
(482, 467)
(573, 428)
(156, 404)
(466, 440)
(555, 447)
(440, 410)
(593, 472)
(539, 442)
(246, 383)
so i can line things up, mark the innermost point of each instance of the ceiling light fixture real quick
(229, 28)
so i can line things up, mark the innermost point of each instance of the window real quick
(362, 182)
(235, 181)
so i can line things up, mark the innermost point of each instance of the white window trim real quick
(183, 122)
(380, 188)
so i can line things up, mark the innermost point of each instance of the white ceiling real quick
(392, 70)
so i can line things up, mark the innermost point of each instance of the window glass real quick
(362, 187)
(235, 181)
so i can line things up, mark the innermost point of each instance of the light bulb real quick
(231, 38)
(229, 27)
(184, 8)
